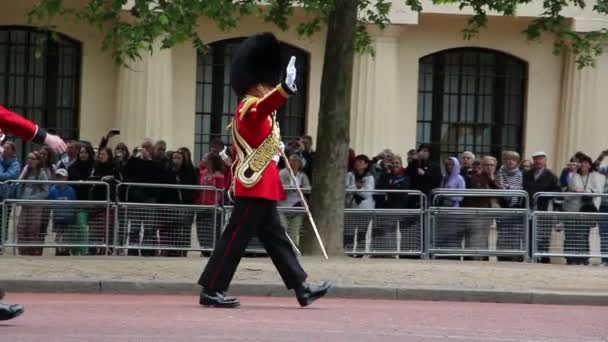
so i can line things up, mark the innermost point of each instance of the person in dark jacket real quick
(103, 170)
(142, 169)
(81, 169)
(177, 234)
(393, 178)
(425, 175)
(540, 179)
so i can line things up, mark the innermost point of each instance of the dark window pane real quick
(479, 105)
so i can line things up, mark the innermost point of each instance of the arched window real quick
(216, 102)
(44, 89)
(471, 99)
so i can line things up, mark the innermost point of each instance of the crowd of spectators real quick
(151, 162)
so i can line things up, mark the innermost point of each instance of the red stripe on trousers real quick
(236, 231)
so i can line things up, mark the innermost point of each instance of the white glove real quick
(55, 143)
(224, 155)
(290, 79)
(277, 157)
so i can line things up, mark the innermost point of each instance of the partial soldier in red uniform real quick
(256, 186)
(17, 125)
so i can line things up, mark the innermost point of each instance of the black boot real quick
(307, 294)
(10, 311)
(217, 299)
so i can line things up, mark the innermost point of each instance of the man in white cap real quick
(540, 179)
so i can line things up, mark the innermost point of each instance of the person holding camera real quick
(586, 180)
(361, 183)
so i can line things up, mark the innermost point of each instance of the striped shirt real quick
(511, 180)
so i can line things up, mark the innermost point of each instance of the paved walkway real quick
(111, 318)
(343, 272)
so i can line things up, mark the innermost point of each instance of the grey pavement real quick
(353, 278)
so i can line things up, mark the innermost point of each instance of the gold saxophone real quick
(251, 163)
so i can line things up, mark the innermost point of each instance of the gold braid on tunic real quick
(251, 162)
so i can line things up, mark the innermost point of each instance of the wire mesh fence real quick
(68, 227)
(150, 223)
(572, 228)
(146, 220)
(486, 231)
(385, 231)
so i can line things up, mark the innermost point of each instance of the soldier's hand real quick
(55, 143)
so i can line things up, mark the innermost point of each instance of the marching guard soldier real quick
(15, 124)
(256, 186)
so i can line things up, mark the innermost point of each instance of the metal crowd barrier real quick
(472, 231)
(32, 226)
(293, 220)
(138, 226)
(573, 230)
(147, 223)
(379, 231)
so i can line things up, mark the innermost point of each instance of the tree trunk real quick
(327, 201)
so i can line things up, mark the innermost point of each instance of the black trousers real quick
(252, 216)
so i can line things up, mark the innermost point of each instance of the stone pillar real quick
(582, 118)
(145, 99)
(375, 114)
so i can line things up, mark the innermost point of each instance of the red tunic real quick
(255, 127)
(17, 125)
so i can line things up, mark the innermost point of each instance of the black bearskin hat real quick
(256, 61)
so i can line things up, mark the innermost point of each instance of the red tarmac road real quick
(71, 317)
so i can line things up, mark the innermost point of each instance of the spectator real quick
(478, 231)
(104, 170)
(567, 173)
(510, 230)
(382, 163)
(570, 170)
(212, 175)
(309, 155)
(510, 177)
(586, 180)
(177, 234)
(526, 165)
(81, 169)
(394, 178)
(69, 157)
(160, 155)
(412, 155)
(603, 169)
(105, 139)
(218, 148)
(451, 233)
(293, 221)
(452, 180)
(360, 182)
(63, 217)
(424, 174)
(141, 168)
(48, 161)
(540, 179)
(10, 169)
(30, 228)
(484, 180)
(467, 164)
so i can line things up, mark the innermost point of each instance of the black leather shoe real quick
(307, 294)
(10, 311)
(217, 299)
